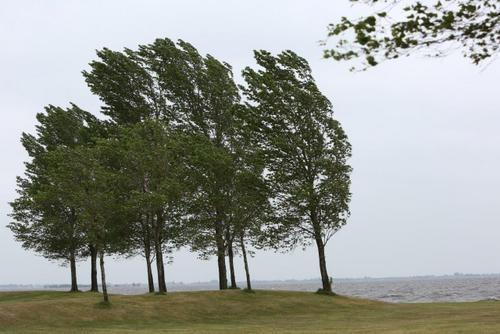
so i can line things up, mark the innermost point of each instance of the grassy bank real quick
(237, 312)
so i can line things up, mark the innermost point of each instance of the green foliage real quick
(44, 221)
(305, 149)
(196, 98)
(472, 25)
(167, 81)
(181, 161)
(151, 175)
(89, 186)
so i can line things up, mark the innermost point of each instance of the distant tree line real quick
(184, 157)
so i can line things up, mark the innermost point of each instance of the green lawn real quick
(237, 312)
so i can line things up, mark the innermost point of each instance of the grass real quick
(236, 312)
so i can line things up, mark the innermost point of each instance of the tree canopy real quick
(44, 220)
(183, 161)
(306, 151)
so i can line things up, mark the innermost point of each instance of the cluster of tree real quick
(185, 158)
(436, 29)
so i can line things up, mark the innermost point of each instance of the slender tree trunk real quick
(162, 286)
(160, 269)
(93, 269)
(245, 261)
(231, 266)
(325, 279)
(103, 278)
(72, 265)
(147, 254)
(147, 251)
(72, 255)
(230, 255)
(151, 284)
(221, 258)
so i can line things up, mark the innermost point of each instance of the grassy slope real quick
(237, 312)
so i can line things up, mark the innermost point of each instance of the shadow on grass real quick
(159, 293)
(103, 305)
(325, 293)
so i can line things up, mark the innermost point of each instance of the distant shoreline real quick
(291, 280)
(416, 289)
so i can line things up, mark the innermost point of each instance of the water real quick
(457, 288)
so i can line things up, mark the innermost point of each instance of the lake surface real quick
(412, 290)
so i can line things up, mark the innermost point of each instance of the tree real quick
(84, 181)
(306, 152)
(211, 172)
(251, 211)
(249, 207)
(172, 83)
(472, 25)
(152, 171)
(42, 220)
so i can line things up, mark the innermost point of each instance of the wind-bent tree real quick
(43, 221)
(85, 182)
(250, 212)
(211, 172)
(151, 165)
(306, 152)
(206, 99)
(133, 93)
(181, 162)
(470, 25)
(172, 83)
(249, 208)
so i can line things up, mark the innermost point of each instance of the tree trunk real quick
(160, 269)
(221, 258)
(147, 254)
(93, 269)
(325, 279)
(162, 286)
(230, 254)
(231, 266)
(72, 255)
(103, 278)
(151, 284)
(72, 265)
(245, 261)
(146, 238)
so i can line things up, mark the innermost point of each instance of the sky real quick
(425, 133)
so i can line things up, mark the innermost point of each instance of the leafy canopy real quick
(305, 148)
(44, 219)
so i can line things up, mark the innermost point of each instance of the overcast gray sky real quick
(425, 132)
